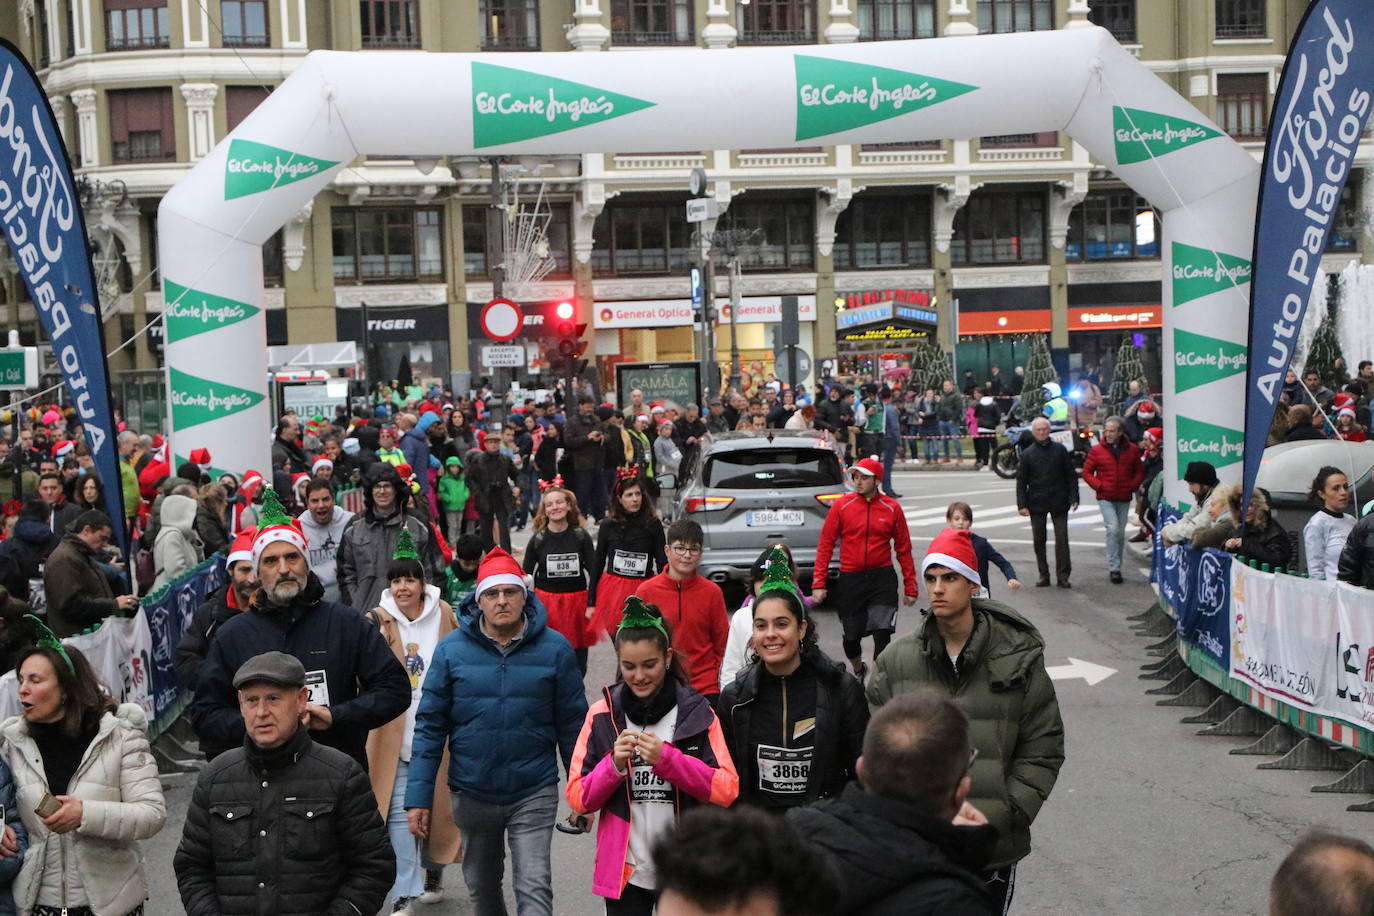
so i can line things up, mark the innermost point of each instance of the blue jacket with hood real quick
(502, 716)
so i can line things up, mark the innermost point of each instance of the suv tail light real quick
(708, 503)
(826, 499)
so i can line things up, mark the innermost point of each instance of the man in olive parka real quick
(991, 659)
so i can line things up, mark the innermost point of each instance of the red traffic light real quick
(564, 310)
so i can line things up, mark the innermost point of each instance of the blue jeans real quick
(528, 824)
(528, 502)
(1114, 517)
(950, 430)
(931, 442)
(889, 456)
(410, 876)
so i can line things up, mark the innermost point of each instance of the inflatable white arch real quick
(340, 105)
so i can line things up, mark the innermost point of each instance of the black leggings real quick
(581, 661)
(854, 648)
(634, 901)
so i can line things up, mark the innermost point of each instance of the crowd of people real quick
(384, 694)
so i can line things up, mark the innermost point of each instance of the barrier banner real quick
(1321, 107)
(1204, 618)
(168, 613)
(46, 231)
(1304, 642)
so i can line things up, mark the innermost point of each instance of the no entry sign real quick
(502, 319)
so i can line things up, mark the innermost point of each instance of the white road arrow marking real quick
(1077, 668)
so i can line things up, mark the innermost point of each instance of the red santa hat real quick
(241, 551)
(1146, 410)
(158, 440)
(952, 548)
(200, 457)
(321, 462)
(299, 480)
(1346, 412)
(1155, 433)
(276, 527)
(63, 448)
(870, 466)
(1344, 399)
(252, 480)
(498, 568)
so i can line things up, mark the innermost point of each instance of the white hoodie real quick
(323, 541)
(420, 637)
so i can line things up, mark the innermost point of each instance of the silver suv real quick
(752, 489)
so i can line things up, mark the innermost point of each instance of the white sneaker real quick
(434, 886)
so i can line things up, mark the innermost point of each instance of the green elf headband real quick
(639, 614)
(777, 576)
(46, 639)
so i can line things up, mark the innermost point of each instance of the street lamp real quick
(735, 241)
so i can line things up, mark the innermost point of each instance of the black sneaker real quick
(434, 886)
(1115, 576)
(401, 906)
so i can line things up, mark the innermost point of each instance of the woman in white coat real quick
(87, 762)
(178, 548)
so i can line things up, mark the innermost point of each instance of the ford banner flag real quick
(43, 223)
(1320, 111)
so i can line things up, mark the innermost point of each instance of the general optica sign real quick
(1320, 111)
(47, 234)
(337, 106)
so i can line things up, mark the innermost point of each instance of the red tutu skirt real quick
(568, 615)
(611, 592)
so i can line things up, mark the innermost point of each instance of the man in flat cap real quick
(282, 824)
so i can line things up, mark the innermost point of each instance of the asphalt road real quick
(1147, 817)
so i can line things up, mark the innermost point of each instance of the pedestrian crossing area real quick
(988, 517)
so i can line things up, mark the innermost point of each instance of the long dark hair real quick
(1319, 482)
(77, 495)
(84, 698)
(646, 514)
(809, 648)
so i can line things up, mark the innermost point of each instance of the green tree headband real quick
(639, 614)
(405, 546)
(777, 576)
(46, 639)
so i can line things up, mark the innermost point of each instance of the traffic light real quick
(571, 343)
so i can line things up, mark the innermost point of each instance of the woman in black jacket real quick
(1261, 538)
(794, 719)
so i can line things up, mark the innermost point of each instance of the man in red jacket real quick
(869, 526)
(1114, 470)
(693, 606)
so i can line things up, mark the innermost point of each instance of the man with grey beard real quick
(355, 682)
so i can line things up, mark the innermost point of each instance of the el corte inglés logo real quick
(1199, 272)
(189, 312)
(1199, 441)
(1199, 359)
(255, 167)
(510, 105)
(1142, 135)
(197, 400)
(837, 95)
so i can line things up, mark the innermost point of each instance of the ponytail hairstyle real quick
(1319, 483)
(778, 584)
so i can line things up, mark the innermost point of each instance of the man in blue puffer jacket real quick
(503, 693)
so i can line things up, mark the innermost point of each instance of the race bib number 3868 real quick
(784, 770)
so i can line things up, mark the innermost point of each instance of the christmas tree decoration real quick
(405, 546)
(1325, 350)
(1039, 371)
(777, 575)
(930, 366)
(639, 615)
(1128, 368)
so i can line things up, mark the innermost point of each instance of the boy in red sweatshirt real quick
(693, 606)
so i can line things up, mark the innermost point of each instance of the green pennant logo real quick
(1199, 360)
(189, 312)
(1200, 272)
(197, 400)
(1142, 135)
(510, 105)
(837, 95)
(1195, 440)
(255, 167)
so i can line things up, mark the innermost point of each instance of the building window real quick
(475, 241)
(652, 22)
(1241, 19)
(141, 126)
(884, 20)
(1013, 141)
(133, 24)
(391, 23)
(243, 23)
(787, 240)
(1015, 15)
(889, 232)
(644, 239)
(374, 244)
(1345, 228)
(1116, 16)
(41, 39)
(239, 102)
(1000, 227)
(1112, 224)
(1243, 104)
(776, 22)
(273, 262)
(510, 25)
